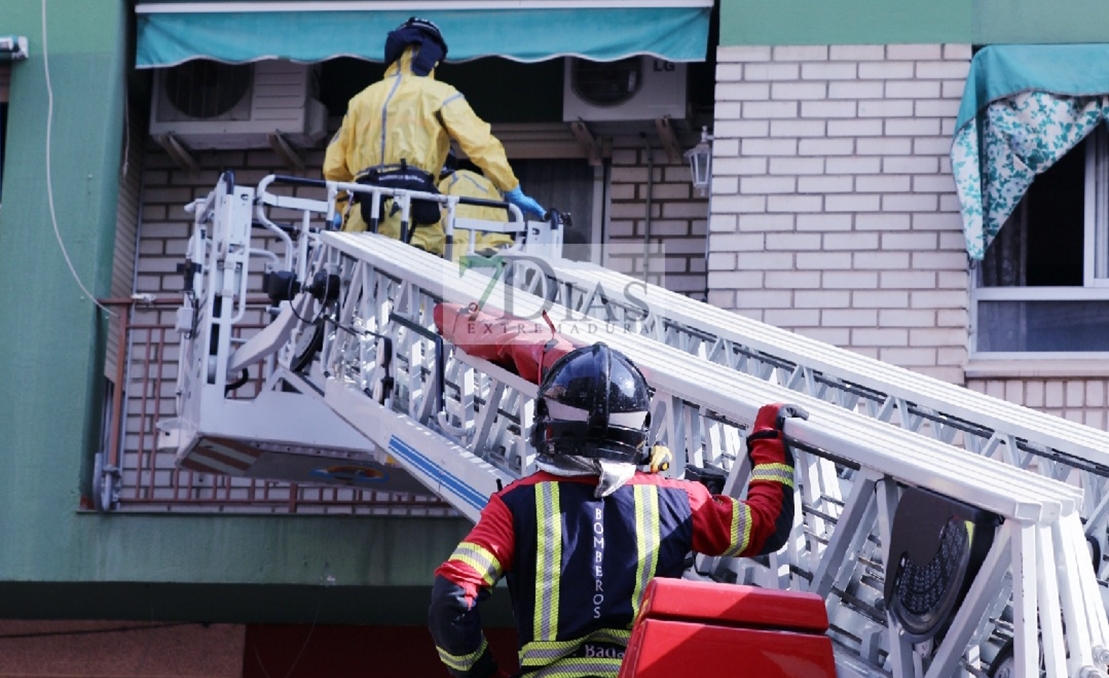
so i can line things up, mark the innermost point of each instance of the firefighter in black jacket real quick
(580, 539)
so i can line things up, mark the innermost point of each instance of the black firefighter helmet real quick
(421, 32)
(593, 402)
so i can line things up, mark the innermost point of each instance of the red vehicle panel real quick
(690, 628)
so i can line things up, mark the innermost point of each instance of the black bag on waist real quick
(422, 213)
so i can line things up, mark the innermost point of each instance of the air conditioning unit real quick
(636, 88)
(211, 105)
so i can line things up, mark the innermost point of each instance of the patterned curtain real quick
(996, 155)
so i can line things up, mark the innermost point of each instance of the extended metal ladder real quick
(354, 341)
(1021, 436)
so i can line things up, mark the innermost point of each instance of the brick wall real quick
(165, 225)
(678, 218)
(1085, 401)
(834, 210)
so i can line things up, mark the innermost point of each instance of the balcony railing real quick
(137, 477)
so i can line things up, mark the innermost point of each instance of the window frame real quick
(1095, 274)
(1096, 259)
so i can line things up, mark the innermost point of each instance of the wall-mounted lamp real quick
(700, 162)
(13, 47)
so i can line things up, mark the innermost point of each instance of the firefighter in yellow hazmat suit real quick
(397, 132)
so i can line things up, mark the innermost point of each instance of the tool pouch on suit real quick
(423, 212)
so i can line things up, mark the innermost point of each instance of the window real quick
(1042, 289)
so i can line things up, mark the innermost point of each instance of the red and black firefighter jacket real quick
(577, 565)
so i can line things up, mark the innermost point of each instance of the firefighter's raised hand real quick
(768, 427)
(772, 417)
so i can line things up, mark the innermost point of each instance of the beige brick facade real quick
(675, 230)
(165, 226)
(834, 211)
(1076, 399)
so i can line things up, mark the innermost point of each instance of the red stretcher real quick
(524, 347)
(692, 629)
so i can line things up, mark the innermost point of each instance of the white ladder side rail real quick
(437, 280)
(578, 282)
(779, 337)
(193, 322)
(427, 276)
(916, 471)
(923, 404)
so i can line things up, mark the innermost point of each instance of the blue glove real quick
(527, 205)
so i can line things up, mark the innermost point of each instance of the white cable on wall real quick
(49, 179)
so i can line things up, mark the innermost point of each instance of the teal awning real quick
(172, 32)
(1001, 71)
(1024, 107)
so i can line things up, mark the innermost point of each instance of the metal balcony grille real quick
(149, 481)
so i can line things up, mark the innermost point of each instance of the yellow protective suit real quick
(473, 185)
(412, 118)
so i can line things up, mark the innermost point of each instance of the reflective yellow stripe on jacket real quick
(741, 529)
(543, 652)
(463, 662)
(548, 570)
(647, 540)
(481, 559)
(579, 667)
(779, 473)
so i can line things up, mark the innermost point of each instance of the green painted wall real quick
(830, 22)
(1036, 21)
(50, 385)
(51, 330)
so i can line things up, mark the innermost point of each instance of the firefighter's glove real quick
(342, 210)
(765, 444)
(527, 205)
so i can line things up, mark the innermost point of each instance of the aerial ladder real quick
(948, 533)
